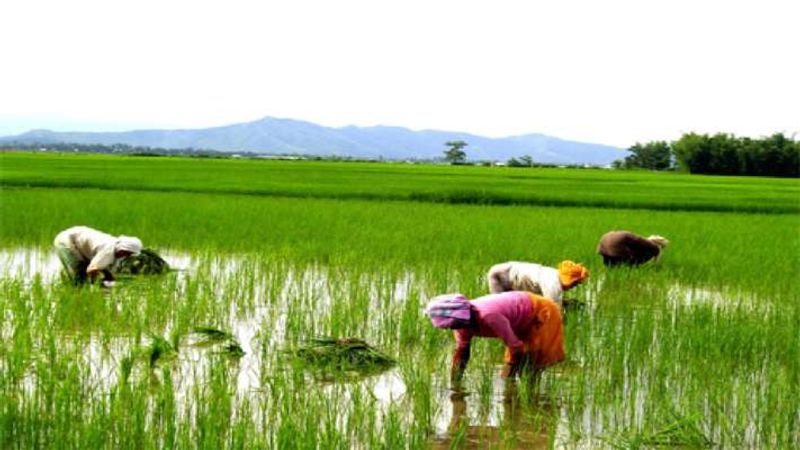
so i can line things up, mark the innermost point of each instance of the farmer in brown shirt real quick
(624, 247)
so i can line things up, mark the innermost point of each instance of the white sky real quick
(610, 71)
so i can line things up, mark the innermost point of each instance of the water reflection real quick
(522, 420)
(680, 295)
(27, 264)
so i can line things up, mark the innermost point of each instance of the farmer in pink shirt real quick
(529, 325)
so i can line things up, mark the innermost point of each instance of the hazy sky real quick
(612, 72)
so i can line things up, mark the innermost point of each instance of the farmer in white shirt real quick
(546, 281)
(86, 252)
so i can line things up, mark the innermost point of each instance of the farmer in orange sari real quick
(530, 326)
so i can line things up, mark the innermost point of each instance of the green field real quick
(383, 181)
(699, 350)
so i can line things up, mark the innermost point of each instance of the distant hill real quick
(286, 136)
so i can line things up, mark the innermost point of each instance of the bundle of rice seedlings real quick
(159, 350)
(147, 262)
(343, 356)
(687, 432)
(152, 355)
(202, 337)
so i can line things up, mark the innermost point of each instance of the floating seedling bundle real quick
(159, 352)
(342, 356)
(147, 262)
(202, 337)
(154, 354)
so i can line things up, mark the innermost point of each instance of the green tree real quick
(652, 155)
(725, 154)
(455, 153)
(693, 153)
(781, 156)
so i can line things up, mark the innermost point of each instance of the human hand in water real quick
(515, 360)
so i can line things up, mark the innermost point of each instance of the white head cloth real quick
(130, 244)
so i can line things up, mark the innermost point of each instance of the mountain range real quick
(287, 136)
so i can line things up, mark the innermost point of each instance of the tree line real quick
(124, 149)
(720, 154)
(133, 150)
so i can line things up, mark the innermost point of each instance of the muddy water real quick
(462, 419)
(532, 422)
(103, 355)
(27, 265)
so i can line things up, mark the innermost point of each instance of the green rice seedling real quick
(159, 353)
(342, 357)
(233, 349)
(208, 336)
(486, 389)
(683, 432)
(493, 234)
(159, 350)
(147, 262)
(393, 429)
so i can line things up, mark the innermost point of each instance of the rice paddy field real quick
(698, 350)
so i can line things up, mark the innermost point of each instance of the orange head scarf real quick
(571, 273)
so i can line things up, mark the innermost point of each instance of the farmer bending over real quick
(626, 248)
(529, 325)
(86, 252)
(536, 278)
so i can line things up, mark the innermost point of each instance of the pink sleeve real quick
(502, 328)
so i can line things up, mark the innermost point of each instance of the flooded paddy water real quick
(84, 349)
